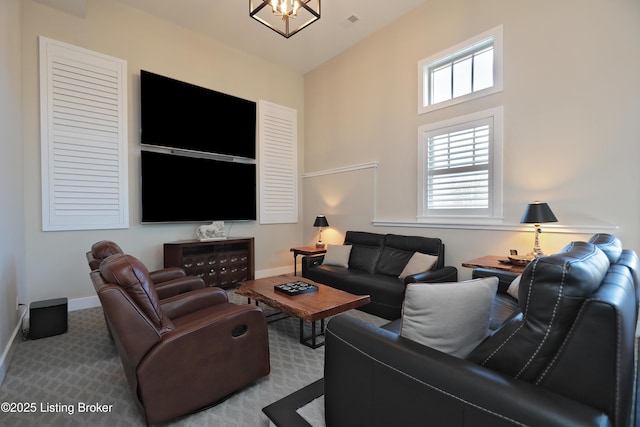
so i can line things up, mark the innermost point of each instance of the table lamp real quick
(320, 222)
(537, 213)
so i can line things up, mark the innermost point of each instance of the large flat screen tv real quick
(176, 114)
(177, 188)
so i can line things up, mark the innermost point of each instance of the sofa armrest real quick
(376, 377)
(178, 286)
(444, 274)
(166, 274)
(216, 355)
(180, 305)
(311, 261)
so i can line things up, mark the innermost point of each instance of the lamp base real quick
(537, 252)
(320, 245)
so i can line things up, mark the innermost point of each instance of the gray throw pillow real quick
(337, 255)
(418, 263)
(451, 317)
(514, 286)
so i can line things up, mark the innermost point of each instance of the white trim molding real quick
(341, 170)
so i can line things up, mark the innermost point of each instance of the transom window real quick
(463, 72)
(460, 167)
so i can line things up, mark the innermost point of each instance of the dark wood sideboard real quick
(221, 263)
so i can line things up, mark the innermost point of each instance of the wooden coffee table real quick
(308, 307)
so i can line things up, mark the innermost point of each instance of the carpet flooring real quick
(76, 379)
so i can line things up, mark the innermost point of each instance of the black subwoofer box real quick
(47, 318)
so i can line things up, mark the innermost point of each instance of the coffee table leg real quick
(311, 341)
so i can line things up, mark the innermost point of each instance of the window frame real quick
(453, 54)
(494, 211)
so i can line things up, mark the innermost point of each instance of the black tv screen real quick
(175, 114)
(178, 188)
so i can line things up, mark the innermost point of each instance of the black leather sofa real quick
(375, 262)
(565, 357)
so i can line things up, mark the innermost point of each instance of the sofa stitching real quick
(119, 281)
(431, 386)
(618, 356)
(153, 302)
(545, 372)
(555, 310)
(549, 324)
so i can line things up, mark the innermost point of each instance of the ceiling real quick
(229, 22)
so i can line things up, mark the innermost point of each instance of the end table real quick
(492, 262)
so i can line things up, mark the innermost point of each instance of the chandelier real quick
(283, 16)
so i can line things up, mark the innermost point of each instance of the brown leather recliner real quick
(183, 353)
(167, 281)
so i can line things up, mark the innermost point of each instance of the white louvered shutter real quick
(458, 168)
(83, 138)
(278, 164)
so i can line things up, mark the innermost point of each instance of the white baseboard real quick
(7, 354)
(274, 272)
(82, 303)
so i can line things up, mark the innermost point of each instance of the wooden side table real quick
(492, 263)
(305, 251)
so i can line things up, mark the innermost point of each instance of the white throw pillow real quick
(513, 287)
(337, 255)
(418, 263)
(451, 317)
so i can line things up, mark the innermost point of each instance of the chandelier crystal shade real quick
(285, 17)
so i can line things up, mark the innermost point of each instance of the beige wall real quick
(12, 245)
(58, 258)
(571, 100)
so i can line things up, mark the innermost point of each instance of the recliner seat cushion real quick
(551, 292)
(381, 288)
(330, 275)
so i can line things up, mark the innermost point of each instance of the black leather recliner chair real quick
(566, 359)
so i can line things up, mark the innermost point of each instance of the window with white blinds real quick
(460, 167)
(278, 164)
(83, 138)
